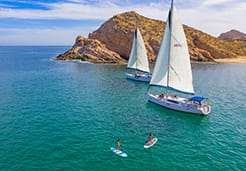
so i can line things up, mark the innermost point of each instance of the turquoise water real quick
(67, 115)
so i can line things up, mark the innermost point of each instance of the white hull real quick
(180, 104)
(139, 77)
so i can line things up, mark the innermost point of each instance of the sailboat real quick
(172, 72)
(138, 60)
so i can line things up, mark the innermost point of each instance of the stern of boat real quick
(205, 109)
(139, 77)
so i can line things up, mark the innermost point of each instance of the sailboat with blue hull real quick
(138, 61)
(172, 71)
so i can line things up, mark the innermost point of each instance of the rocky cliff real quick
(112, 42)
(90, 50)
(233, 35)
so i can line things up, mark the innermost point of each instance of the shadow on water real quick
(137, 82)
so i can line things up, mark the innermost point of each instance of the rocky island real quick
(111, 43)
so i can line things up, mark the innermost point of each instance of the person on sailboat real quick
(137, 75)
(161, 96)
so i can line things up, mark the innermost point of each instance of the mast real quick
(170, 25)
(136, 40)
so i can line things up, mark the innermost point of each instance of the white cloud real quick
(54, 36)
(79, 10)
(5, 6)
(216, 21)
(63, 10)
(210, 16)
(215, 2)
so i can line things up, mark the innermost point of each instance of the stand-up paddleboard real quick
(118, 152)
(150, 143)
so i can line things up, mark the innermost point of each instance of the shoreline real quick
(239, 60)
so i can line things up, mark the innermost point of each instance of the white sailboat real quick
(172, 71)
(138, 60)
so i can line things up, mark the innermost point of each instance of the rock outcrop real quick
(233, 35)
(112, 42)
(90, 50)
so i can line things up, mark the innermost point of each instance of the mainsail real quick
(138, 59)
(173, 69)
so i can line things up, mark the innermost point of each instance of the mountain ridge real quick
(114, 38)
(233, 35)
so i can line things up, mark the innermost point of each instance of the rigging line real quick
(170, 28)
(171, 32)
(175, 72)
(135, 42)
(175, 39)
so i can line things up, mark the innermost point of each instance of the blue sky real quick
(58, 22)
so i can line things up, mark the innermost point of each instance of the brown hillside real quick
(116, 34)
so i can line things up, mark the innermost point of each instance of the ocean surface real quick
(57, 115)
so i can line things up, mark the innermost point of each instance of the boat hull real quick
(179, 104)
(139, 77)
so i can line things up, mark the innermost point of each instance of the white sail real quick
(138, 57)
(161, 64)
(133, 55)
(173, 68)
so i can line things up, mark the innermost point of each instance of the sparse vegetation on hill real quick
(114, 39)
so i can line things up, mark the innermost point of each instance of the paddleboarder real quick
(118, 144)
(150, 136)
